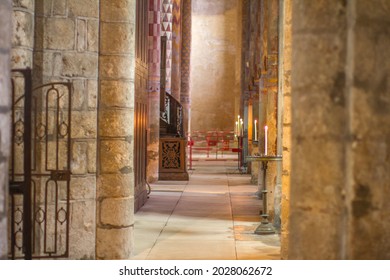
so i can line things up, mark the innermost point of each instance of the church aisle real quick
(212, 216)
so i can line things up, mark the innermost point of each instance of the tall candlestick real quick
(255, 130)
(265, 139)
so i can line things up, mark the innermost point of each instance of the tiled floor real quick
(211, 217)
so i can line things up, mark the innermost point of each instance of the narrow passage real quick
(211, 217)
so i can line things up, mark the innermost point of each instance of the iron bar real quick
(27, 240)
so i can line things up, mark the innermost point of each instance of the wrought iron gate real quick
(39, 168)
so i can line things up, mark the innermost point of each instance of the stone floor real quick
(211, 217)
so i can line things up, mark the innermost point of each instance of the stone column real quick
(185, 96)
(23, 34)
(272, 108)
(248, 64)
(176, 49)
(251, 88)
(154, 89)
(256, 67)
(340, 184)
(115, 189)
(285, 81)
(5, 121)
(269, 93)
(166, 30)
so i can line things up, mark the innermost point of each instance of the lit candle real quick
(242, 127)
(238, 126)
(255, 130)
(236, 129)
(265, 139)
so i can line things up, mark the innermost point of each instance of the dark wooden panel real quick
(141, 103)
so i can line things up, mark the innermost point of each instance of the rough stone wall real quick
(115, 191)
(5, 108)
(66, 49)
(214, 63)
(340, 130)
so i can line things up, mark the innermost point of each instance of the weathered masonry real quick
(98, 97)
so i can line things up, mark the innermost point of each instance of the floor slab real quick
(212, 216)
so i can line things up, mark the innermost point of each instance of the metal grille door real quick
(39, 169)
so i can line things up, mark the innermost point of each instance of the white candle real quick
(236, 129)
(265, 139)
(255, 130)
(238, 126)
(242, 127)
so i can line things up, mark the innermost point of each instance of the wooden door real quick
(141, 103)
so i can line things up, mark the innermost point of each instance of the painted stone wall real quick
(5, 107)
(340, 185)
(215, 63)
(176, 48)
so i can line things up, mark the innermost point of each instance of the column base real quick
(265, 228)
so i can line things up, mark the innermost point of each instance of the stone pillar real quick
(251, 86)
(248, 63)
(256, 69)
(285, 81)
(340, 184)
(272, 108)
(154, 89)
(176, 49)
(115, 189)
(185, 64)
(23, 34)
(166, 30)
(5, 121)
(269, 94)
